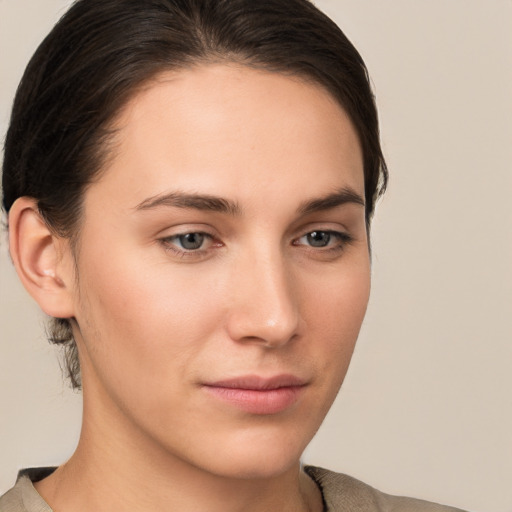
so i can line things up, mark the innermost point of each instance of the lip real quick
(258, 395)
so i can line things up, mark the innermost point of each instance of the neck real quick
(117, 468)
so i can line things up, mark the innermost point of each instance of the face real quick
(223, 269)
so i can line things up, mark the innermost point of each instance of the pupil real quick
(319, 238)
(191, 241)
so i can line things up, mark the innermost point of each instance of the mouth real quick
(258, 395)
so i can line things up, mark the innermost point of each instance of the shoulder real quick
(342, 492)
(23, 497)
(12, 500)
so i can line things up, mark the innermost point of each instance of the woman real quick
(190, 186)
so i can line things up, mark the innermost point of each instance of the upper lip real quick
(255, 382)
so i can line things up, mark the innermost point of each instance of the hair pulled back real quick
(102, 51)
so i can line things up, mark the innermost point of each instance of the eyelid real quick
(182, 228)
(339, 234)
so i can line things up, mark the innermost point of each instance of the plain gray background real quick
(426, 409)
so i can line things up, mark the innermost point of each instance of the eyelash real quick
(342, 240)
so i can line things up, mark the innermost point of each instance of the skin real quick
(154, 323)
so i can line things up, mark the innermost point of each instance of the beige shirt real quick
(341, 493)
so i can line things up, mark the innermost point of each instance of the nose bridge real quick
(264, 309)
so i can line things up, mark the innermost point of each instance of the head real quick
(112, 65)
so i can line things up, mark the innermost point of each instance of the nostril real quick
(270, 329)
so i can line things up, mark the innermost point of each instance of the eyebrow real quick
(191, 201)
(338, 198)
(221, 205)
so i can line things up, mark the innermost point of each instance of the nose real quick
(264, 307)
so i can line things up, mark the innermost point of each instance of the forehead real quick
(228, 129)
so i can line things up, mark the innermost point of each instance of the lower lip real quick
(258, 401)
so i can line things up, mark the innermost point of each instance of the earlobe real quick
(40, 260)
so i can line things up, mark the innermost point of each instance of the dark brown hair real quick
(101, 52)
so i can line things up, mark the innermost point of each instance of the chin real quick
(249, 467)
(257, 455)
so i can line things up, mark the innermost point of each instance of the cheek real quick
(143, 319)
(341, 295)
(336, 310)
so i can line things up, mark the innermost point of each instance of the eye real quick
(318, 238)
(189, 244)
(189, 241)
(325, 240)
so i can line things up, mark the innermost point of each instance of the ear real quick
(42, 260)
